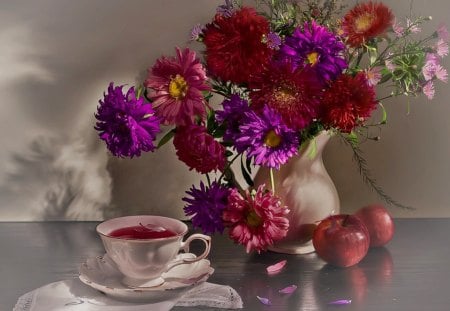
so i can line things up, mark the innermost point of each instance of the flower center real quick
(364, 22)
(253, 220)
(272, 139)
(284, 95)
(313, 58)
(178, 87)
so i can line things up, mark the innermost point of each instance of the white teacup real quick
(143, 261)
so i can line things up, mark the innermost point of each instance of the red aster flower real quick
(234, 47)
(294, 93)
(198, 149)
(366, 21)
(348, 102)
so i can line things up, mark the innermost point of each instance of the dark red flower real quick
(234, 47)
(198, 149)
(294, 93)
(348, 102)
(366, 21)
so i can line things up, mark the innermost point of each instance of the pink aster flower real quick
(433, 68)
(256, 220)
(412, 27)
(373, 76)
(441, 48)
(442, 32)
(390, 65)
(428, 89)
(175, 86)
(198, 149)
(399, 30)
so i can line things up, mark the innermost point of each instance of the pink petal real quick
(276, 267)
(264, 301)
(341, 302)
(288, 290)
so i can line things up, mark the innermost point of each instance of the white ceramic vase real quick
(304, 186)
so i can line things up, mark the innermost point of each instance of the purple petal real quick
(276, 267)
(288, 290)
(341, 302)
(264, 301)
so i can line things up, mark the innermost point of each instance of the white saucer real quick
(101, 273)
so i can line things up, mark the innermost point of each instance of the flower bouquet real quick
(285, 71)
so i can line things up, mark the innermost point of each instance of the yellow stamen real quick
(313, 58)
(272, 139)
(363, 22)
(284, 96)
(178, 87)
(253, 220)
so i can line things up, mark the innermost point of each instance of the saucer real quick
(101, 273)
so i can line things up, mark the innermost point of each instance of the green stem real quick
(272, 180)
(366, 175)
(227, 167)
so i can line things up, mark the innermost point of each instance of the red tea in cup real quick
(142, 232)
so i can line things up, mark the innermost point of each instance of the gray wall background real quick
(56, 59)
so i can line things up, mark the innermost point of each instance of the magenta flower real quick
(412, 27)
(198, 149)
(206, 206)
(256, 220)
(267, 139)
(175, 86)
(127, 124)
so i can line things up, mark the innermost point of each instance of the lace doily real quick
(63, 296)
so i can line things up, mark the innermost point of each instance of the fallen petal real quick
(264, 301)
(276, 267)
(341, 302)
(288, 290)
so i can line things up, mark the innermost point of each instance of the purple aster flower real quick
(317, 47)
(126, 123)
(234, 110)
(206, 206)
(273, 41)
(267, 139)
(197, 32)
(227, 9)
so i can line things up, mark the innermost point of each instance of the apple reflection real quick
(374, 271)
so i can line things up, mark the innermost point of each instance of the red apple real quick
(378, 222)
(341, 240)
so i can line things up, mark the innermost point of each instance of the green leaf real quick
(166, 138)
(246, 175)
(384, 117)
(228, 153)
(313, 148)
(352, 138)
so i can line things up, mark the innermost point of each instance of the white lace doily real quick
(72, 295)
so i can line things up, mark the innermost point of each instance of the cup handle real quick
(185, 247)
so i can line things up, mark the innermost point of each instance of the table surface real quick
(411, 273)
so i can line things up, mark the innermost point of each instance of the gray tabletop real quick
(411, 273)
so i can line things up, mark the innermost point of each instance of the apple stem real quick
(345, 220)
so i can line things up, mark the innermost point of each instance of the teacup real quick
(142, 259)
